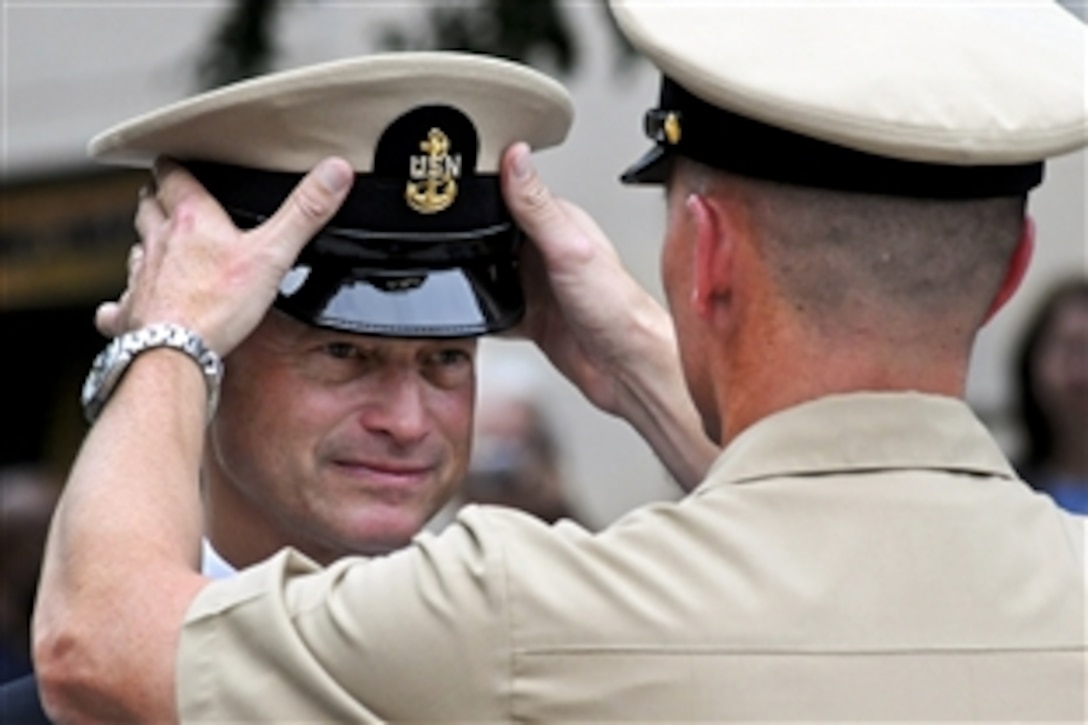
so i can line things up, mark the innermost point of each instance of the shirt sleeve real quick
(421, 634)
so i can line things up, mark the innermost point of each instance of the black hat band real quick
(375, 208)
(685, 124)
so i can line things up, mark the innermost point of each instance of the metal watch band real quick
(110, 364)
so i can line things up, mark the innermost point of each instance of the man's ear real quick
(713, 257)
(1016, 269)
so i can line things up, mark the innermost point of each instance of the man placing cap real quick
(859, 551)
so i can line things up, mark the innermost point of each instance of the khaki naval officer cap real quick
(424, 245)
(950, 99)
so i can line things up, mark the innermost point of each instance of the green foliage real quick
(535, 32)
(522, 30)
(243, 46)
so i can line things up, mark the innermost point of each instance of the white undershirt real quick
(212, 564)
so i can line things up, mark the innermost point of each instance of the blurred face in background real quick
(27, 499)
(1061, 366)
(514, 461)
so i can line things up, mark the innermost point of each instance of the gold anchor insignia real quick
(433, 187)
(671, 127)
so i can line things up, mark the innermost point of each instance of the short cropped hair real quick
(832, 251)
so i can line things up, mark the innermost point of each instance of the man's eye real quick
(341, 350)
(450, 367)
(451, 357)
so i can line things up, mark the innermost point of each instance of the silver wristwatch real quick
(111, 363)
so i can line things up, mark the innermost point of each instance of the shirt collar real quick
(863, 431)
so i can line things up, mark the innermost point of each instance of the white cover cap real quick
(288, 121)
(950, 82)
(423, 246)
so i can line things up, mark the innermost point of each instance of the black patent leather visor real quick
(652, 168)
(373, 297)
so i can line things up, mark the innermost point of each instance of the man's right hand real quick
(193, 267)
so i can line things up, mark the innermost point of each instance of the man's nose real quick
(397, 408)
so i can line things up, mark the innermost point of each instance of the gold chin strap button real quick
(663, 126)
(671, 127)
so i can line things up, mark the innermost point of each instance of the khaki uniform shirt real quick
(867, 557)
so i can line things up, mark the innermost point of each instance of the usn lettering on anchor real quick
(433, 175)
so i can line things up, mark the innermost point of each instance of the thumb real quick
(539, 214)
(310, 206)
(108, 319)
(567, 237)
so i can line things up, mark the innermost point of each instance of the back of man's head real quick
(851, 262)
(882, 151)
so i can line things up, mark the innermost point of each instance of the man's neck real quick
(236, 530)
(774, 373)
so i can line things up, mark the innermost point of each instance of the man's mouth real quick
(392, 473)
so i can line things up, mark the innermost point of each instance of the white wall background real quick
(69, 70)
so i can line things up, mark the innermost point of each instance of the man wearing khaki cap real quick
(846, 189)
(345, 418)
